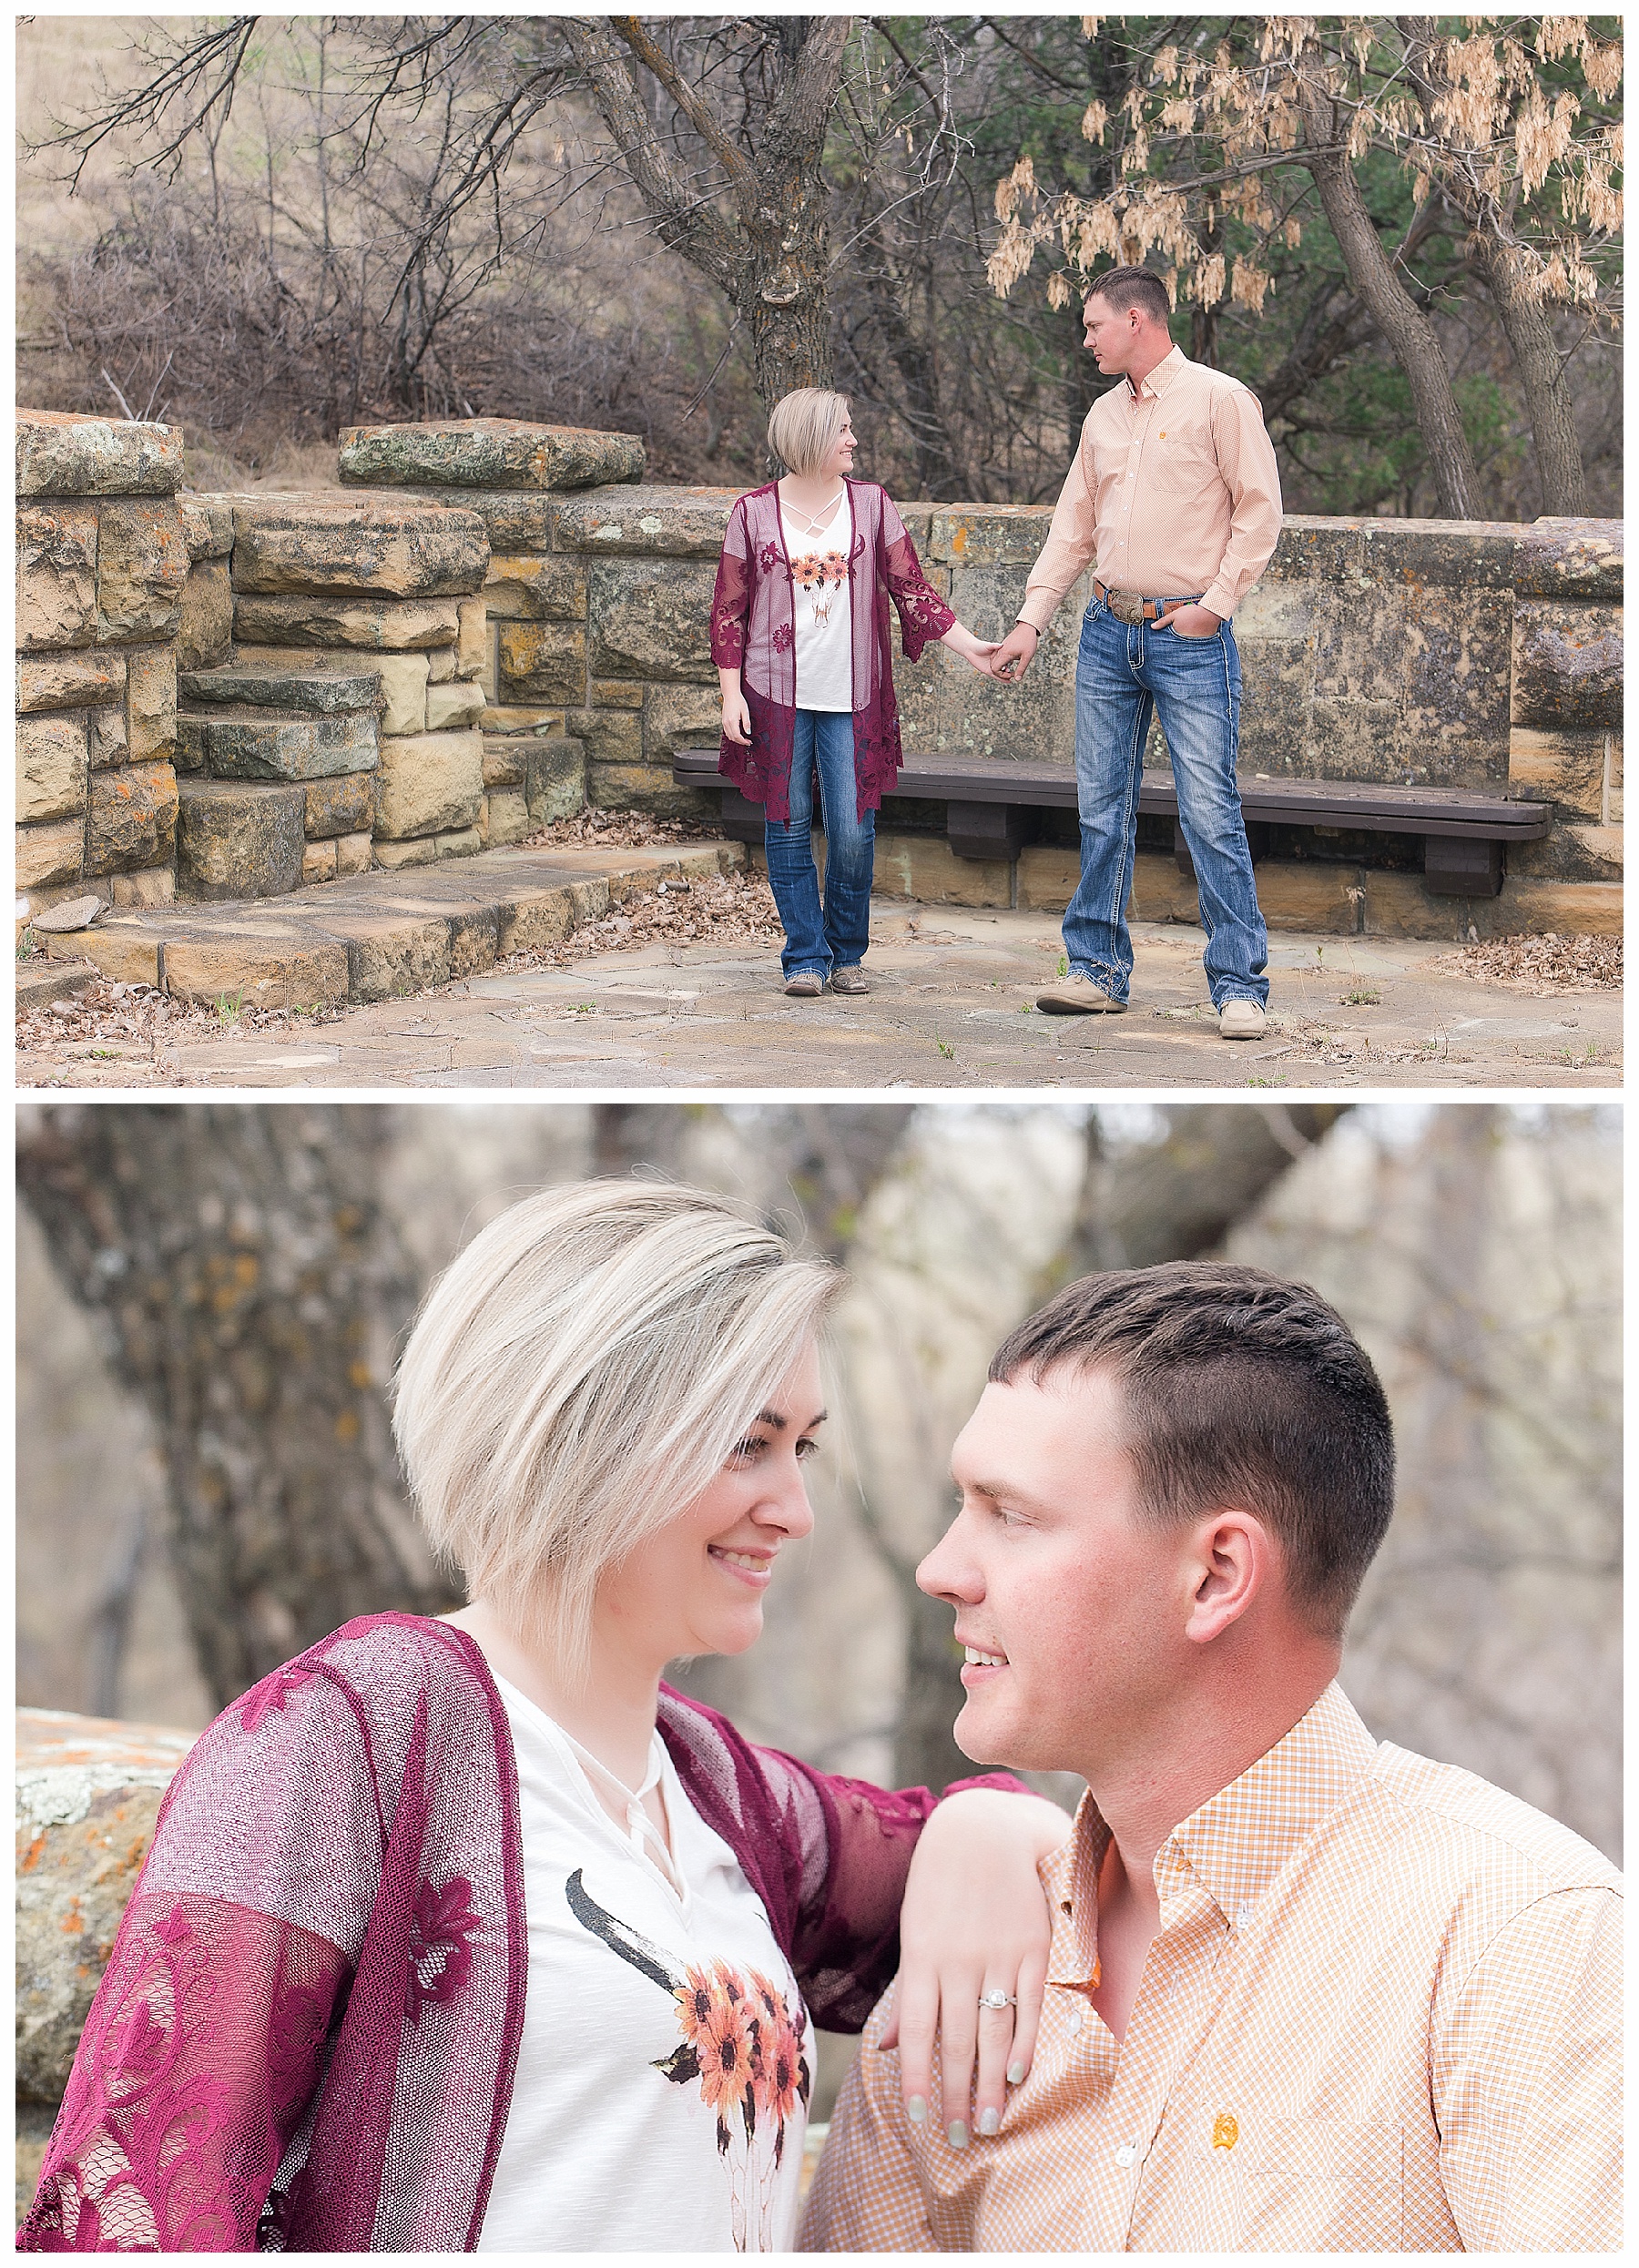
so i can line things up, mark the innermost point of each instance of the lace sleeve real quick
(198, 2058)
(731, 600)
(923, 614)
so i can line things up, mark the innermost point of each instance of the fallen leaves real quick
(1542, 965)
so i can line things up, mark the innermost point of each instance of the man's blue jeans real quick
(1123, 676)
(816, 942)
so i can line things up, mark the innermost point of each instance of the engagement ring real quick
(996, 1998)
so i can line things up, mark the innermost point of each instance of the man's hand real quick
(1017, 650)
(1191, 622)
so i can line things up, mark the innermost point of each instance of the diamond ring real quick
(996, 1998)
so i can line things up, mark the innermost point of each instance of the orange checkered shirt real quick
(1382, 2013)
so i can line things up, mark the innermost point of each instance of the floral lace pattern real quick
(752, 618)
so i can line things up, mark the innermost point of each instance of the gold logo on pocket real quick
(1225, 2131)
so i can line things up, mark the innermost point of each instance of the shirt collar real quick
(1161, 377)
(1234, 1845)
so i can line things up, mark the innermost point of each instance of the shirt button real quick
(1075, 2023)
(1125, 2155)
(1243, 1918)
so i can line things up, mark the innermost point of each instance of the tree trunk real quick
(253, 1288)
(1541, 373)
(1409, 333)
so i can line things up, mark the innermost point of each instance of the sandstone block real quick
(616, 692)
(473, 654)
(142, 564)
(191, 740)
(208, 521)
(404, 680)
(530, 588)
(83, 680)
(354, 853)
(319, 862)
(676, 524)
(986, 535)
(428, 783)
(522, 720)
(608, 735)
(239, 839)
(680, 717)
(52, 766)
(124, 949)
(440, 665)
(1047, 876)
(542, 662)
(504, 817)
(926, 868)
(457, 702)
(317, 691)
(389, 955)
(465, 843)
(487, 453)
(1417, 554)
(150, 707)
(261, 971)
(1570, 559)
(517, 520)
(338, 546)
(420, 851)
(1567, 667)
(87, 1792)
(52, 852)
(132, 817)
(647, 618)
(388, 626)
(205, 630)
(1295, 894)
(1160, 893)
(1540, 909)
(505, 755)
(1574, 853)
(60, 454)
(154, 885)
(342, 805)
(555, 779)
(56, 575)
(246, 745)
(1563, 767)
(534, 920)
(108, 743)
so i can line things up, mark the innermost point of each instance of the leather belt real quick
(1128, 607)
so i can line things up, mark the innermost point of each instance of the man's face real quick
(1077, 1605)
(1114, 336)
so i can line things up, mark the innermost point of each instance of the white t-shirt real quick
(661, 2094)
(821, 609)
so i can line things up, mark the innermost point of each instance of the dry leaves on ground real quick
(1541, 964)
(136, 1023)
(735, 909)
(616, 830)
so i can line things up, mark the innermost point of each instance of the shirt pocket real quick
(1321, 2185)
(1182, 462)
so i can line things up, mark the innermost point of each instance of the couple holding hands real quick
(1174, 492)
(472, 1934)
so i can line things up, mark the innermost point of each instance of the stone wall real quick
(523, 621)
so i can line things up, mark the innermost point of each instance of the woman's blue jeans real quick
(819, 941)
(1123, 676)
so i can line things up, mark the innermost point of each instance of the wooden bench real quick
(988, 806)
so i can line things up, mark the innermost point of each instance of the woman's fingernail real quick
(956, 2135)
(1015, 2074)
(989, 2120)
(916, 2110)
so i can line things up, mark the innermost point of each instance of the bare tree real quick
(252, 1287)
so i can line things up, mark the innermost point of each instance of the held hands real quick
(1014, 657)
(974, 1920)
(972, 650)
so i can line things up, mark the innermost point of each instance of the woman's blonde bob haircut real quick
(578, 1376)
(803, 427)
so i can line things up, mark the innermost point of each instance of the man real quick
(1307, 1991)
(1175, 492)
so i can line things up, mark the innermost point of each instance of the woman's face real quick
(842, 457)
(697, 1586)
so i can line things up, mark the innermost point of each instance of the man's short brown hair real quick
(1243, 1388)
(1121, 288)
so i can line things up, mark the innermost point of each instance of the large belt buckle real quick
(1126, 606)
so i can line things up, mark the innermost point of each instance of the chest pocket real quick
(1321, 2185)
(1180, 461)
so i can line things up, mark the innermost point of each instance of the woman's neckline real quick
(816, 520)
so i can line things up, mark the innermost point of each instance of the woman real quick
(800, 635)
(469, 1934)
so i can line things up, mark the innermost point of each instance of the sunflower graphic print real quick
(740, 2045)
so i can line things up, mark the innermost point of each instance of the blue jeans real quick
(816, 942)
(1123, 676)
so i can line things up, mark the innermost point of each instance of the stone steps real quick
(379, 935)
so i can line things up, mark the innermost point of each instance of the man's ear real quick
(1232, 1557)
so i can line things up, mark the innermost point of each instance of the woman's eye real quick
(806, 1448)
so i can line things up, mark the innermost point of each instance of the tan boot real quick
(1240, 1020)
(1077, 995)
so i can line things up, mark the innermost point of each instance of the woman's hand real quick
(974, 1919)
(972, 650)
(737, 715)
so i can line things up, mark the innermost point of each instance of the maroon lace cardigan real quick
(305, 2037)
(753, 630)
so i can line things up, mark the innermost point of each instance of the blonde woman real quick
(800, 635)
(471, 1934)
